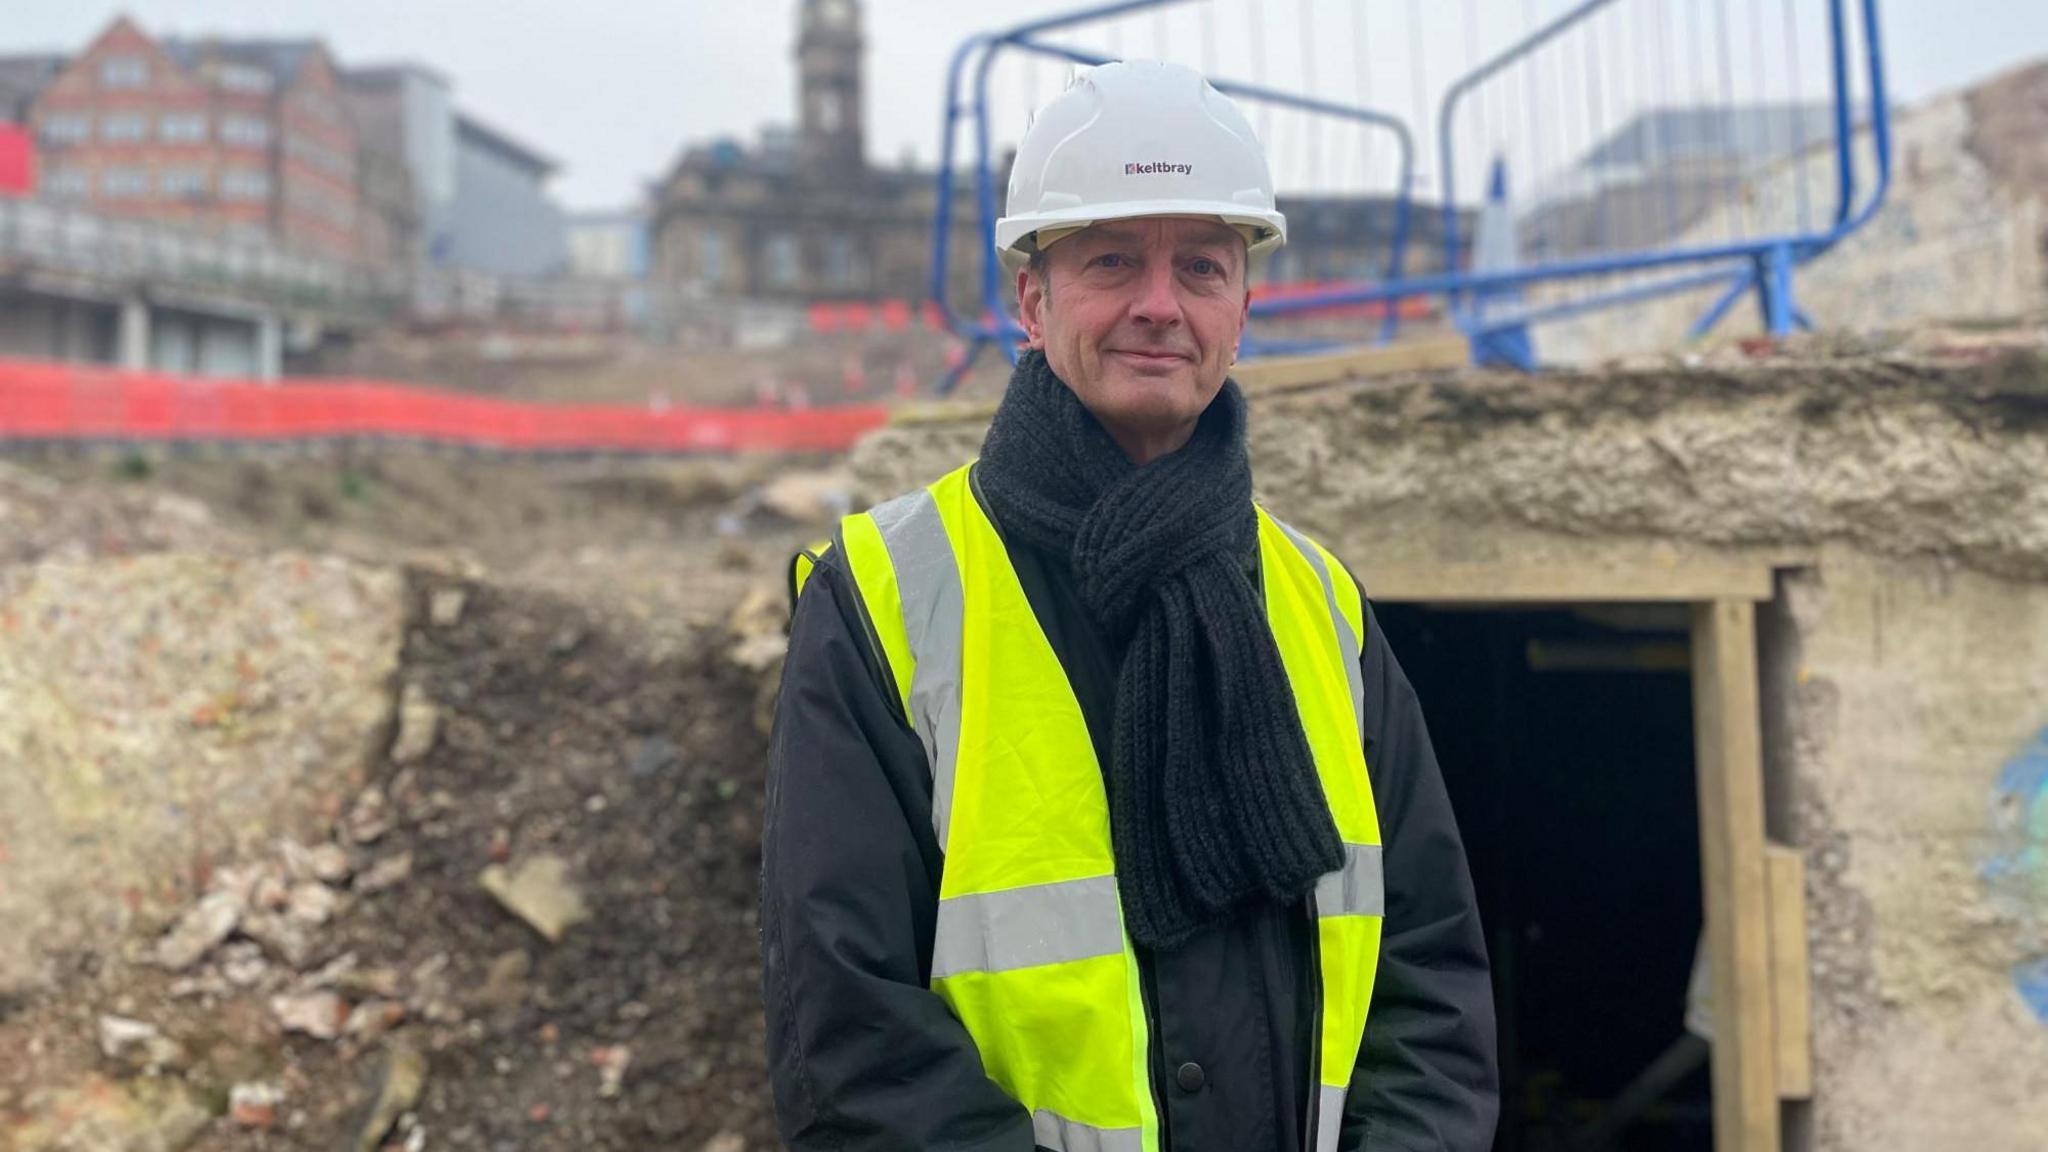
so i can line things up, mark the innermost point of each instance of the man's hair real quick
(1040, 269)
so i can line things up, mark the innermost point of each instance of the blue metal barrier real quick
(1765, 264)
(996, 328)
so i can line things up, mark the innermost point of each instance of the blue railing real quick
(1473, 298)
(995, 327)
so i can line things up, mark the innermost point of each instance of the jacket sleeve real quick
(1427, 1078)
(861, 1054)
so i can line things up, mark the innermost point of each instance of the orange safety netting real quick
(41, 400)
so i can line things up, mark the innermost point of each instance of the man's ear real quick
(1030, 306)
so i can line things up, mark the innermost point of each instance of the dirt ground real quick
(824, 369)
(658, 547)
(590, 704)
(557, 737)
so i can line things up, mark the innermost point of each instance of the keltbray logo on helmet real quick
(1159, 167)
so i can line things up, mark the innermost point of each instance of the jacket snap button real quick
(1190, 1077)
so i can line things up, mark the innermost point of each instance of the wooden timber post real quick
(1729, 749)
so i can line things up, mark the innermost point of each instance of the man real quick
(1086, 771)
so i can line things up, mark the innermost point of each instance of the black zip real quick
(890, 690)
(1155, 1050)
(1315, 1028)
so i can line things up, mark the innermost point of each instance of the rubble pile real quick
(534, 927)
(39, 519)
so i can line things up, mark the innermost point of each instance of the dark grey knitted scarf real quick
(1214, 800)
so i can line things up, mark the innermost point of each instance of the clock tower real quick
(828, 52)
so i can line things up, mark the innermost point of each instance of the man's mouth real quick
(1148, 356)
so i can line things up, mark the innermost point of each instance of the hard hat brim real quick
(1014, 233)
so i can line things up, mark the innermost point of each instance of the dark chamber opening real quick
(1566, 742)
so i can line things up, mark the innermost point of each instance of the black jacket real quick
(864, 1056)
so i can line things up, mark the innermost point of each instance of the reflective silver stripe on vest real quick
(1026, 927)
(1347, 640)
(1051, 1130)
(1329, 1117)
(928, 585)
(1359, 888)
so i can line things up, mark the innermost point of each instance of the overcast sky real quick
(613, 88)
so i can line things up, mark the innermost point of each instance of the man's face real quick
(1141, 318)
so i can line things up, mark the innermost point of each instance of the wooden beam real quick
(1269, 374)
(1791, 1016)
(943, 412)
(1729, 745)
(1565, 584)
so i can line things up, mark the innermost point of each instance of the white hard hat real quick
(1138, 138)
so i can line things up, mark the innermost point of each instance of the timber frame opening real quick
(1753, 890)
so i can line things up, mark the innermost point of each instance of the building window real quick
(243, 78)
(124, 72)
(711, 257)
(67, 128)
(124, 183)
(782, 261)
(245, 131)
(181, 183)
(839, 262)
(828, 112)
(124, 127)
(181, 127)
(245, 184)
(67, 183)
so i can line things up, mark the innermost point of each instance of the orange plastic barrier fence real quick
(44, 401)
(862, 316)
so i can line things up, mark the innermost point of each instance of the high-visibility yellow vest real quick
(1030, 951)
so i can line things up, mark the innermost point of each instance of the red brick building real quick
(249, 135)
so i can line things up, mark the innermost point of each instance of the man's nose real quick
(1158, 299)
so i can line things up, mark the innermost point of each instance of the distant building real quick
(1349, 238)
(391, 230)
(501, 220)
(478, 196)
(405, 124)
(803, 217)
(608, 245)
(241, 135)
(373, 166)
(22, 79)
(1658, 175)
(1666, 136)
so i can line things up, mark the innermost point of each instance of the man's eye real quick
(1109, 260)
(1203, 266)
